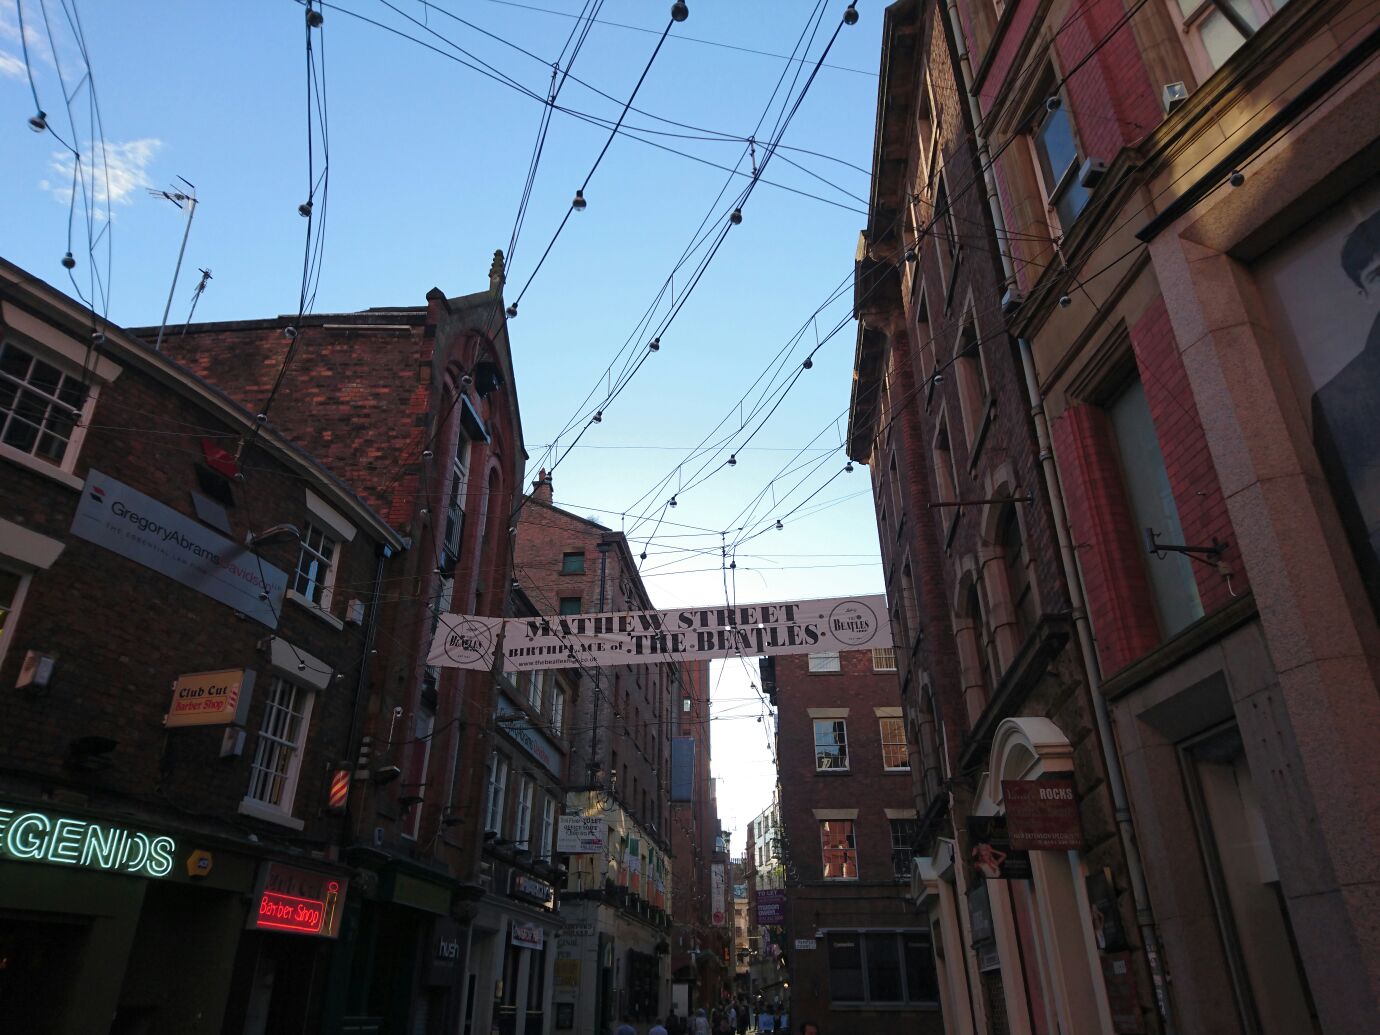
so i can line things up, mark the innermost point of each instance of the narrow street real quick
(629, 517)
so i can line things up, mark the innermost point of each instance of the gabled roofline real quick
(69, 315)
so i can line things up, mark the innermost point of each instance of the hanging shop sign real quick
(211, 698)
(1042, 815)
(528, 936)
(654, 637)
(297, 901)
(516, 725)
(991, 852)
(125, 521)
(717, 887)
(581, 835)
(30, 836)
(771, 908)
(529, 889)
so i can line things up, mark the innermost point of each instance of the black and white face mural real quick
(1323, 289)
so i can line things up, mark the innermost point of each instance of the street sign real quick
(581, 835)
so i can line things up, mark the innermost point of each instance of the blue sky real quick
(427, 161)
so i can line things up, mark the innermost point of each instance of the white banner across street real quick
(651, 637)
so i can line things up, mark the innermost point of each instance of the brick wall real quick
(1106, 539)
(1192, 476)
(864, 785)
(1112, 102)
(122, 632)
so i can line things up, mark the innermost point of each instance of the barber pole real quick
(340, 790)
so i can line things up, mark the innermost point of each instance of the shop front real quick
(134, 926)
(510, 971)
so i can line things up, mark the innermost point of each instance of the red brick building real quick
(417, 408)
(858, 956)
(1179, 206)
(697, 968)
(613, 959)
(186, 605)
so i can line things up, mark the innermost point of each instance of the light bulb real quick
(579, 203)
(598, 416)
(671, 501)
(732, 459)
(1053, 103)
(304, 209)
(512, 311)
(850, 15)
(289, 332)
(1237, 178)
(848, 467)
(38, 122)
(1065, 301)
(315, 18)
(808, 363)
(68, 262)
(779, 526)
(736, 217)
(654, 345)
(427, 454)
(679, 12)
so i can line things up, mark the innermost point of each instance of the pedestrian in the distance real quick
(674, 1023)
(809, 1028)
(625, 1029)
(700, 1025)
(744, 1016)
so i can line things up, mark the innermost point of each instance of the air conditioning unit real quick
(1173, 97)
(1090, 175)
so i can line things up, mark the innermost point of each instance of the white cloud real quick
(10, 66)
(124, 169)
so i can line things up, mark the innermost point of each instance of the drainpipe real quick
(362, 677)
(989, 178)
(1145, 918)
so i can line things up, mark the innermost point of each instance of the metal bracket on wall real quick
(1159, 549)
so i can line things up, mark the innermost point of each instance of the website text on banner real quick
(650, 637)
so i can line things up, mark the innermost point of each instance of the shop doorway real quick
(36, 964)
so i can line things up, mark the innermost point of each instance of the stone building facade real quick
(1180, 206)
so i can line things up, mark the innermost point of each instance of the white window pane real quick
(1220, 37)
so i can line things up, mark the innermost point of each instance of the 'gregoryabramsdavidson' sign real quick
(120, 518)
(649, 637)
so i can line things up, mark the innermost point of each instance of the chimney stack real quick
(541, 488)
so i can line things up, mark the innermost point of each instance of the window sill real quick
(269, 814)
(47, 470)
(900, 770)
(320, 612)
(833, 772)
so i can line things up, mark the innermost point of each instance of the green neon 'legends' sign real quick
(27, 836)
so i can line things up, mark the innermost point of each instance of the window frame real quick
(909, 998)
(326, 584)
(9, 620)
(1191, 25)
(1067, 181)
(903, 847)
(522, 814)
(840, 727)
(846, 849)
(569, 568)
(64, 469)
(280, 811)
(547, 847)
(884, 652)
(816, 668)
(495, 793)
(578, 603)
(882, 720)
